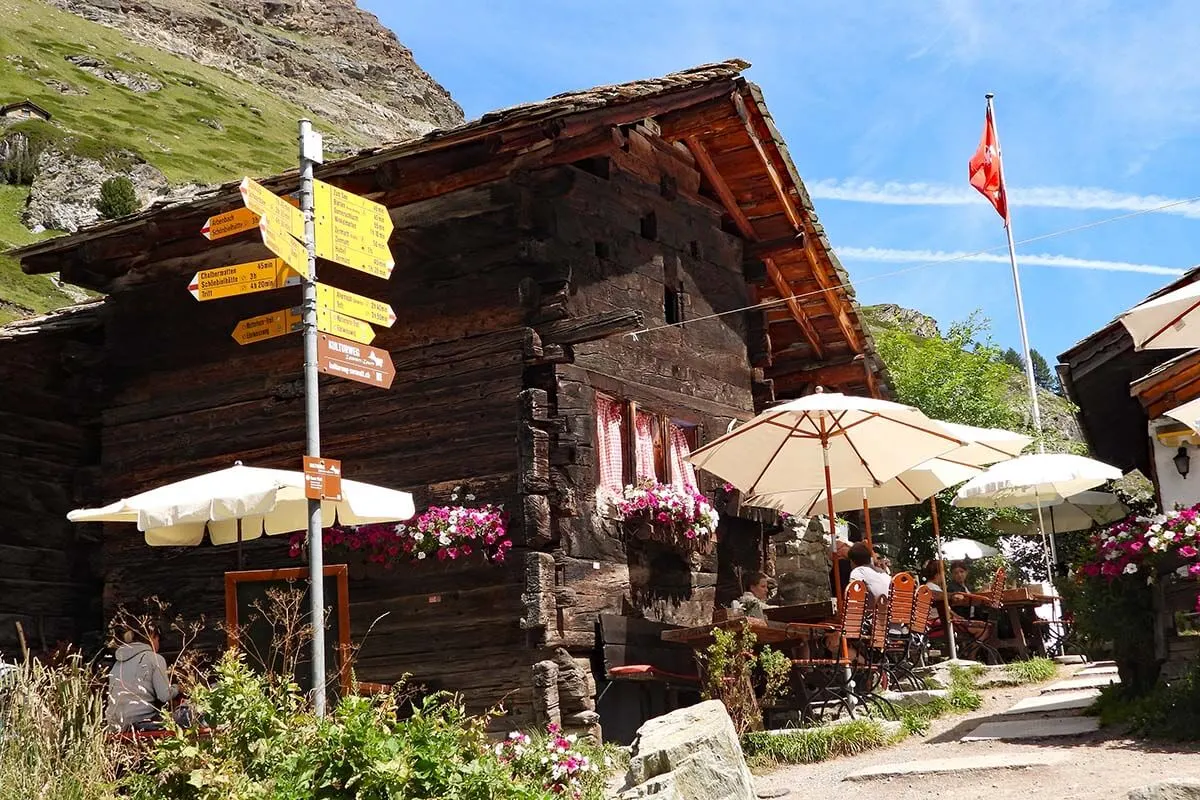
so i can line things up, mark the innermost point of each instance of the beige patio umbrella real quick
(1169, 322)
(1078, 512)
(863, 441)
(242, 503)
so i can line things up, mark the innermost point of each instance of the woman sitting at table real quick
(931, 573)
(753, 602)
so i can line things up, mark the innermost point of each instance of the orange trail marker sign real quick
(340, 325)
(254, 276)
(276, 213)
(293, 253)
(268, 326)
(355, 305)
(322, 479)
(352, 230)
(370, 365)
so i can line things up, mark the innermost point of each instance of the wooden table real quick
(821, 611)
(765, 630)
(1015, 603)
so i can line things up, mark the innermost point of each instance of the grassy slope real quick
(163, 127)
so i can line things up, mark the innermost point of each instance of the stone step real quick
(942, 766)
(1071, 659)
(919, 697)
(1058, 701)
(1093, 670)
(1018, 729)
(1086, 682)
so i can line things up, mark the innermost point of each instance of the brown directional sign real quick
(322, 478)
(357, 362)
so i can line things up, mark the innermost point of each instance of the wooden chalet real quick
(544, 254)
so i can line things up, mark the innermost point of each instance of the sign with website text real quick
(370, 365)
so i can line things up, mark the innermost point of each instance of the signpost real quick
(322, 479)
(254, 276)
(334, 224)
(329, 321)
(370, 365)
(268, 326)
(353, 231)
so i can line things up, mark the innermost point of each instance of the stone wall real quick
(802, 563)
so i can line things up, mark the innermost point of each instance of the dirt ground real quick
(1096, 766)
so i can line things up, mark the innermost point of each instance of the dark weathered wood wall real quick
(45, 441)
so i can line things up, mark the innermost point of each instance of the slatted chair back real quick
(996, 592)
(879, 624)
(900, 599)
(854, 611)
(922, 606)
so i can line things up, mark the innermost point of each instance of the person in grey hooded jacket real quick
(138, 686)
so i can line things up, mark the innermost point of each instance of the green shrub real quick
(1170, 712)
(52, 738)
(118, 198)
(810, 745)
(732, 670)
(1034, 670)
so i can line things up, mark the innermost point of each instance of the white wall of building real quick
(1173, 488)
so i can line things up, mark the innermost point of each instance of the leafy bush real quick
(267, 745)
(810, 745)
(732, 670)
(52, 738)
(118, 198)
(1170, 712)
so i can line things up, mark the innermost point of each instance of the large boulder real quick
(1174, 789)
(65, 190)
(687, 754)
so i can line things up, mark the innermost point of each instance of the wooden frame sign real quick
(242, 617)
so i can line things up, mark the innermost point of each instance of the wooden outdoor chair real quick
(917, 654)
(979, 640)
(824, 684)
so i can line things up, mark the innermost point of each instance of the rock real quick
(890, 315)
(698, 748)
(215, 124)
(802, 563)
(922, 697)
(937, 676)
(64, 193)
(1173, 789)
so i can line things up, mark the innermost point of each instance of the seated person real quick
(931, 573)
(878, 583)
(753, 602)
(840, 571)
(138, 687)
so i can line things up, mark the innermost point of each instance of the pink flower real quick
(1187, 551)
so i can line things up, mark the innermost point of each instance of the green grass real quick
(810, 745)
(961, 697)
(1035, 670)
(163, 127)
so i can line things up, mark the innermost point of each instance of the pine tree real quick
(118, 198)
(1013, 359)
(1042, 375)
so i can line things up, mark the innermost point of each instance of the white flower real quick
(1130, 568)
(443, 539)
(470, 497)
(1182, 571)
(421, 556)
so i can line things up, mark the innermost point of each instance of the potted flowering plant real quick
(668, 514)
(1112, 587)
(558, 760)
(441, 533)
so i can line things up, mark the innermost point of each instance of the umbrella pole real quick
(867, 520)
(947, 620)
(834, 573)
(240, 562)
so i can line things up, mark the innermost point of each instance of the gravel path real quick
(1096, 766)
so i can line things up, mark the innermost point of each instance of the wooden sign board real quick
(370, 365)
(253, 276)
(352, 230)
(322, 478)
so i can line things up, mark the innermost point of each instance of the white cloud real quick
(895, 193)
(894, 256)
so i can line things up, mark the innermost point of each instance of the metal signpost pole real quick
(310, 154)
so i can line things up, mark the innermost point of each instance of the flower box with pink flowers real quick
(681, 517)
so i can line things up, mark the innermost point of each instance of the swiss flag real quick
(986, 174)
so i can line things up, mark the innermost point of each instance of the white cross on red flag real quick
(986, 174)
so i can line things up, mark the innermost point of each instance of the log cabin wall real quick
(47, 440)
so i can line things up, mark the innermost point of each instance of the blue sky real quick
(881, 103)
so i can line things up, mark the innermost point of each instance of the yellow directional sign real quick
(352, 230)
(355, 305)
(344, 327)
(268, 326)
(255, 276)
(234, 222)
(293, 253)
(277, 214)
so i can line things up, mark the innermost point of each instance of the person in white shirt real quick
(878, 583)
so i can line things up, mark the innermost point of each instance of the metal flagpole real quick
(309, 155)
(1035, 408)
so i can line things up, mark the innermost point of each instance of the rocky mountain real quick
(890, 315)
(176, 95)
(330, 56)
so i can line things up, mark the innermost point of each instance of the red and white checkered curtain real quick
(683, 474)
(608, 443)
(645, 446)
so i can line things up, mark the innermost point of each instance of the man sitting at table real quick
(753, 602)
(878, 583)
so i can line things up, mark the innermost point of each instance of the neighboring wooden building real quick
(530, 246)
(23, 110)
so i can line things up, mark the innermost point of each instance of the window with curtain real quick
(634, 443)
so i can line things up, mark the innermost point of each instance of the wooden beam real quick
(710, 172)
(574, 330)
(799, 223)
(844, 372)
(760, 250)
